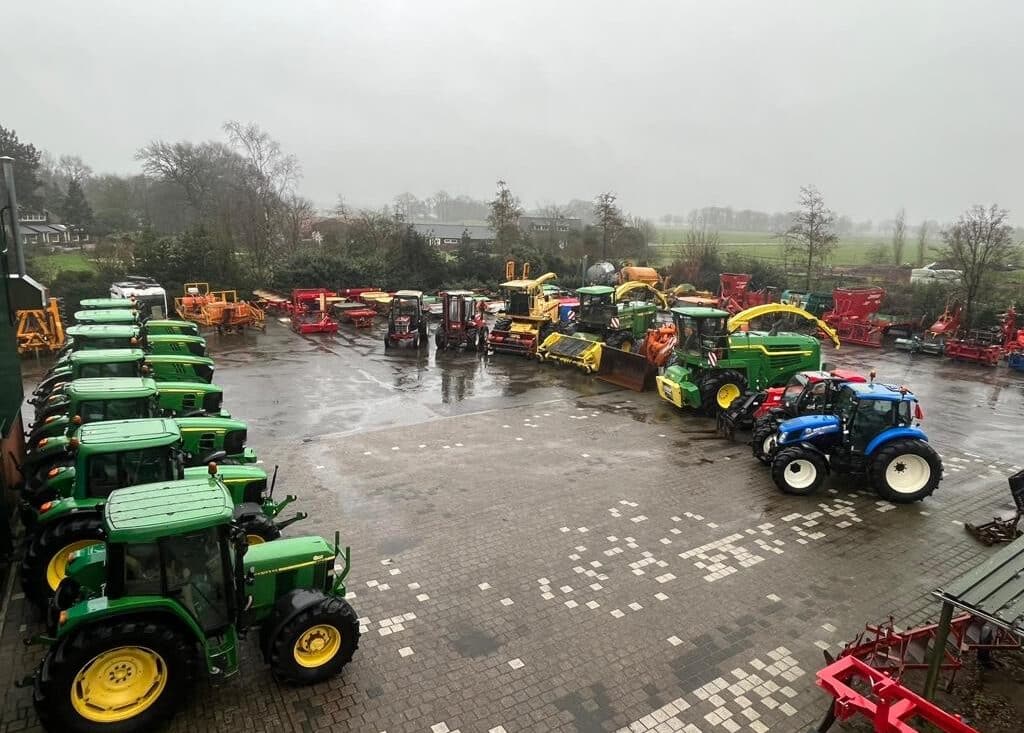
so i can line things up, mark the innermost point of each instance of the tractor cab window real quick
(142, 566)
(793, 392)
(904, 414)
(596, 308)
(456, 308)
(404, 307)
(816, 398)
(117, 369)
(93, 410)
(194, 568)
(518, 303)
(110, 471)
(870, 418)
(697, 335)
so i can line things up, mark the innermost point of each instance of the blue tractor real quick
(871, 431)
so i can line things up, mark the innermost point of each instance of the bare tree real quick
(504, 218)
(980, 242)
(811, 237)
(298, 216)
(73, 168)
(440, 202)
(922, 242)
(341, 209)
(609, 218)
(699, 256)
(899, 236)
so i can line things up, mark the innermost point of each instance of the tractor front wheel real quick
(115, 676)
(719, 389)
(905, 471)
(49, 549)
(316, 643)
(763, 442)
(798, 471)
(259, 528)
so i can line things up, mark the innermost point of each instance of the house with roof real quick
(36, 228)
(450, 236)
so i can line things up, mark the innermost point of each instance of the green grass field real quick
(764, 245)
(45, 267)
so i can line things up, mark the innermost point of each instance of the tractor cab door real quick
(815, 398)
(107, 472)
(868, 418)
(195, 572)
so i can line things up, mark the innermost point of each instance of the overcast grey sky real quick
(673, 104)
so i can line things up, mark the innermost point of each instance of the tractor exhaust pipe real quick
(12, 208)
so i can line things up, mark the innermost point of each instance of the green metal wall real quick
(10, 366)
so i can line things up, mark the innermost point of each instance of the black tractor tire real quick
(481, 339)
(45, 544)
(503, 324)
(622, 341)
(905, 471)
(799, 471)
(763, 440)
(712, 383)
(55, 683)
(334, 613)
(440, 340)
(259, 528)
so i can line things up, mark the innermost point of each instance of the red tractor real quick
(462, 322)
(407, 321)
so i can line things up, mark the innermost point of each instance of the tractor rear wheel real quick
(126, 676)
(259, 528)
(719, 389)
(798, 471)
(763, 442)
(46, 557)
(316, 643)
(905, 471)
(503, 324)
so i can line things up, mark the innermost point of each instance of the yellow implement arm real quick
(744, 317)
(622, 292)
(544, 278)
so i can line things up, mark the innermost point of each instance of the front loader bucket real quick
(625, 369)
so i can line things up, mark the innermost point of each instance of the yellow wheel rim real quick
(254, 539)
(57, 568)
(726, 394)
(118, 684)
(317, 645)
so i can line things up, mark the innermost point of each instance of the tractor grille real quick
(570, 347)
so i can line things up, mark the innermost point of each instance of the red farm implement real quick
(735, 294)
(879, 657)
(311, 311)
(272, 303)
(987, 346)
(855, 316)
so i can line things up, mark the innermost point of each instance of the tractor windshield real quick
(793, 390)
(109, 471)
(404, 307)
(597, 309)
(97, 410)
(698, 335)
(518, 303)
(456, 306)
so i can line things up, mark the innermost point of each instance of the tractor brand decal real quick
(317, 559)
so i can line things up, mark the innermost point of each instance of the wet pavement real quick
(536, 550)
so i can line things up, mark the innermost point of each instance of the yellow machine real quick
(608, 317)
(741, 321)
(217, 308)
(40, 329)
(529, 314)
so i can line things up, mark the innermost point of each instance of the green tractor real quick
(108, 316)
(609, 316)
(122, 398)
(714, 362)
(202, 439)
(123, 363)
(174, 586)
(64, 514)
(120, 336)
(90, 304)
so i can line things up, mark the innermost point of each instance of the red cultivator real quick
(877, 660)
(988, 347)
(735, 295)
(852, 316)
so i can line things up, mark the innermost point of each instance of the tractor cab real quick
(108, 316)
(462, 324)
(597, 307)
(88, 364)
(100, 336)
(702, 333)
(868, 410)
(407, 321)
(96, 400)
(91, 304)
(146, 292)
(809, 392)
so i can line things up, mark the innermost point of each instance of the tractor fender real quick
(285, 609)
(68, 506)
(151, 608)
(882, 438)
(814, 449)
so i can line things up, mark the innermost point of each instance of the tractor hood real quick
(306, 562)
(807, 427)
